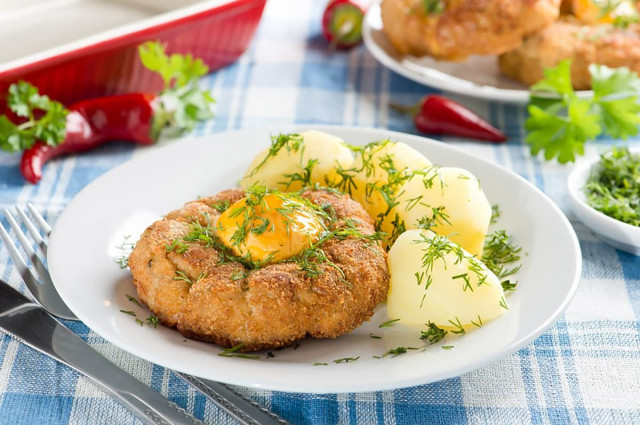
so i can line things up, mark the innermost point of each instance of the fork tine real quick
(46, 294)
(35, 234)
(40, 219)
(28, 277)
(45, 277)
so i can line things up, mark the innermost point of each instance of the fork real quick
(243, 409)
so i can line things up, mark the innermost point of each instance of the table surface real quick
(584, 369)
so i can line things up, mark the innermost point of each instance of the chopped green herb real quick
(221, 206)
(129, 312)
(435, 7)
(319, 364)
(152, 320)
(614, 187)
(346, 359)
(180, 275)
(447, 347)
(234, 352)
(499, 251)
(503, 303)
(140, 322)
(395, 352)
(433, 334)
(388, 323)
(459, 329)
(133, 300)
(495, 213)
(479, 323)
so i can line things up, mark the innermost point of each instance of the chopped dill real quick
(433, 7)
(129, 312)
(459, 329)
(499, 251)
(153, 320)
(292, 142)
(177, 246)
(133, 300)
(234, 352)
(503, 303)
(479, 323)
(221, 206)
(180, 275)
(319, 364)
(238, 275)
(395, 352)
(614, 188)
(433, 334)
(495, 213)
(346, 359)
(388, 323)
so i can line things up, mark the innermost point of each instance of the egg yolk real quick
(603, 11)
(272, 228)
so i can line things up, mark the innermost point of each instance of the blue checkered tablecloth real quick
(585, 369)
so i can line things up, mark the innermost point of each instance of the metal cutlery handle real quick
(245, 410)
(32, 325)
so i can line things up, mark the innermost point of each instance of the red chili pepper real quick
(342, 23)
(439, 115)
(91, 123)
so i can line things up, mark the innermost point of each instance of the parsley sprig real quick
(182, 102)
(560, 121)
(43, 119)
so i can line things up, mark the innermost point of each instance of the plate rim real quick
(385, 385)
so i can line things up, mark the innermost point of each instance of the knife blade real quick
(245, 410)
(32, 325)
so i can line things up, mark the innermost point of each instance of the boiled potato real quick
(283, 165)
(378, 165)
(454, 192)
(433, 279)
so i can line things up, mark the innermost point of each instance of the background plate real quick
(478, 76)
(85, 240)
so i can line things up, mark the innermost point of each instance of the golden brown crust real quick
(584, 45)
(269, 307)
(464, 27)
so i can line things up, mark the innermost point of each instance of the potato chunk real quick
(452, 198)
(433, 279)
(380, 167)
(294, 161)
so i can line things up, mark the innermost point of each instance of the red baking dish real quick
(79, 49)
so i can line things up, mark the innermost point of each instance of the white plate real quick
(127, 199)
(616, 233)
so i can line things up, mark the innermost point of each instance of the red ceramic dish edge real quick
(108, 63)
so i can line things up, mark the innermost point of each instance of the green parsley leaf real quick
(182, 103)
(45, 119)
(560, 122)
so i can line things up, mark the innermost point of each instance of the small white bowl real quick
(618, 234)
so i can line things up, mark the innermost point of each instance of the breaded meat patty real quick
(186, 278)
(455, 29)
(583, 44)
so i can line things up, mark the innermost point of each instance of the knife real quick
(31, 324)
(245, 410)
